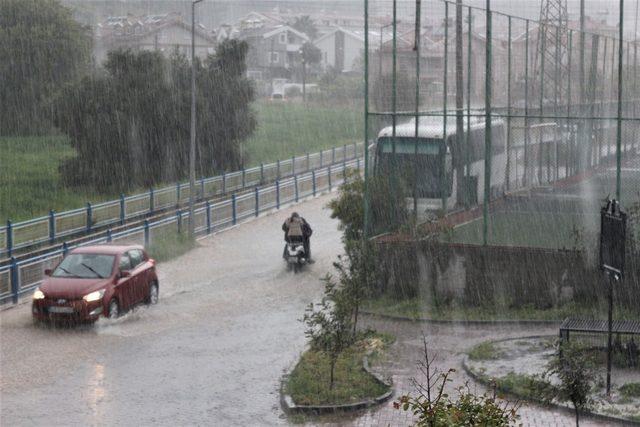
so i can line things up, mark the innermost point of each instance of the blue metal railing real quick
(20, 277)
(21, 236)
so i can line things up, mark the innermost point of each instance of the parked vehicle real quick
(96, 280)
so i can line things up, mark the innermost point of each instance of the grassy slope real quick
(30, 184)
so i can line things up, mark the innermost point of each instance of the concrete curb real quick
(290, 407)
(483, 380)
(462, 321)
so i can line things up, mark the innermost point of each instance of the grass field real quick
(30, 184)
(555, 230)
(286, 128)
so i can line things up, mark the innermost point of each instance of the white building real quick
(341, 49)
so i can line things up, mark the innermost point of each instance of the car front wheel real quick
(114, 309)
(152, 298)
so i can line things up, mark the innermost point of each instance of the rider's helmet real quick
(295, 215)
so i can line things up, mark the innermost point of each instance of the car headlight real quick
(94, 296)
(38, 294)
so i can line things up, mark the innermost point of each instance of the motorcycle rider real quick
(296, 228)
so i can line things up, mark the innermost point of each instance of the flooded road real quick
(211, 352)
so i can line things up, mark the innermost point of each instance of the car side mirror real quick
(125, 273)
(48, 271)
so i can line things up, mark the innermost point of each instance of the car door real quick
(138, 277)
(124, 285)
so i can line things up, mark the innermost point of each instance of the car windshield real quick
(85, 266)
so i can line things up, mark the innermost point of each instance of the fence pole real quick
(244, 178)
(202, 188)
(619, 121)
(261, 173)
(177, 195)
(179, 218)
(151, 200)
(329, 175)
(224, 182)
(109, 236)
(234, 209)
(313, 182)
(277, 194)
(15, 280)
(122, 209)
(293, 165)
(344, 152)
(333, 155)
(146, 233)
(344, 171)
(321, 151)
(295, 184)
(487, 133)
(208, 211)
(257, 192)
(358, 164)
(278, 169)
(355, 150)
(52, 226)
(65, 248)
(308, 163)
(89, 217)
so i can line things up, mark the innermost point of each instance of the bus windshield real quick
(428, 164)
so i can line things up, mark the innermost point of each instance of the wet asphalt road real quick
(210, 353)
(213, 350)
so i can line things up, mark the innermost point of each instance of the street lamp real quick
(192, 146)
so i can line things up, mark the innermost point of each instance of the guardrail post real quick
(308, 163)
(52, 226)
(257, 191)
(293, 165)
(244, 178)
(151, 200)
(224, 182)
(109, 236)
(261, 173)
(9, 238)
(177, 194)
(313, 181)
(65, 248)
(179, 218)
(234, 209)
(277, 194)
(15, 280)
(208, 210)
(146, 233)
(321, 151)
(333, 155)
(278, 169)
(89, 217)
(123, 211)
(295, 184)
(329, 175)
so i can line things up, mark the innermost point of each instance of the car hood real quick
(70, 288)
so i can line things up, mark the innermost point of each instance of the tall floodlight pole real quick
(192, 145)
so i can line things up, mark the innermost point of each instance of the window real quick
(85, 266)
(283, 37)
(275, 57)
(125, 263)
(136, 257)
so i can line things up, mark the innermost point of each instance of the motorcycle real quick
(295, 255)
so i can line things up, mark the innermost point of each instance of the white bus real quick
(435, 162)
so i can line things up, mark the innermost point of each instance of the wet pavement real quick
(213, 350)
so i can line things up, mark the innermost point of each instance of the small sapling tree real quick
(576, 371)
(329, 325)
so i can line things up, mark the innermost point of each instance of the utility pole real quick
(192, 145)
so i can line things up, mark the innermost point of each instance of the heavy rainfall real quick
(319, 212)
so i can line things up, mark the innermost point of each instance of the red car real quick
(96, 280)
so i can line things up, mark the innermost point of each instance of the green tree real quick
(41, 48)
(577, 371)
(329, 325)
(311, 54)
(305, 24)
(130, 121)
